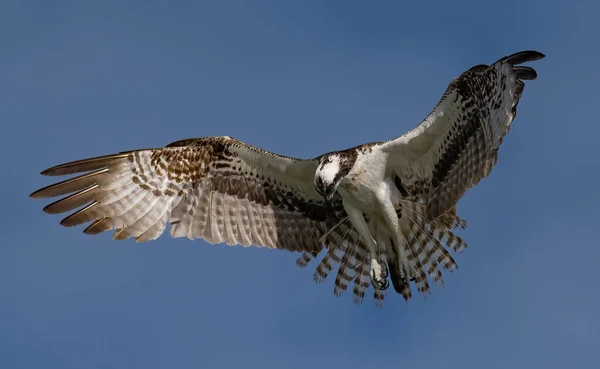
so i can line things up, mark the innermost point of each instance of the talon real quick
(384, 272)
(379, 275)
(381, 284)
(406, 275)
(385, 286)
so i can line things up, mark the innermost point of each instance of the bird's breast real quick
(359, 189)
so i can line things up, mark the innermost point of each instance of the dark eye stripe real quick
(319, 186)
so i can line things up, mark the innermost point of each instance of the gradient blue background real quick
(79, 79)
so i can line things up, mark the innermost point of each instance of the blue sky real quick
(299, 78)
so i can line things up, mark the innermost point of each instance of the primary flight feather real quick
(383, 210)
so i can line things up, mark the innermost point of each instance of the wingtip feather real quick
(98, 226)
(525, 73)
(523, 57)
(70, 185)
(83, 165)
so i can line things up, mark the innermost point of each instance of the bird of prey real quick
(382, 211)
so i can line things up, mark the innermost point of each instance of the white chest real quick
(366, 178)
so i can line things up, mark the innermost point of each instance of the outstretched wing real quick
(215, 188)
(457, 144)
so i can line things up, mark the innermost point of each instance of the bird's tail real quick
(427, 244)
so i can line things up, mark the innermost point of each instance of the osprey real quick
(383, 210)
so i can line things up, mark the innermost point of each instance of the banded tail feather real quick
(428, 242)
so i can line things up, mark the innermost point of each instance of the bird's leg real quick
(390, 218)
(378, 279)
(381, 239)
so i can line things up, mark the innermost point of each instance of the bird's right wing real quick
(215, 188)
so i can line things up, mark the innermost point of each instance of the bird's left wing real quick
(457, 144)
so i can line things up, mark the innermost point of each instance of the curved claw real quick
(379, 274)
(384, 271)
(385, 286)
(381, 284)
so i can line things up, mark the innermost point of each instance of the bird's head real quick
(331, 170)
